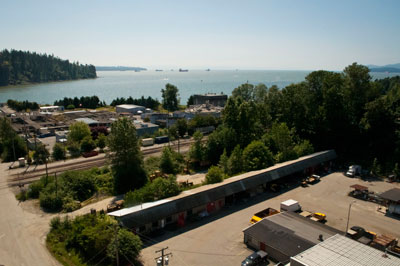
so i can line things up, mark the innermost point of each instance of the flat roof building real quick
(392, 200)
(286, 234)
(213, 197)
(130, 108)
(342, 251)
(88, 121)
(210, 98)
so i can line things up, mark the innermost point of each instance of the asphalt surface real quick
(218, 239)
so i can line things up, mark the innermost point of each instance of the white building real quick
(130, 108)
(342, 251)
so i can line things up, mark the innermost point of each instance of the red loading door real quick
(181, 219)
(262, 246)
(210, 207)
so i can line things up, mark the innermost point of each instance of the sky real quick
(278, 35)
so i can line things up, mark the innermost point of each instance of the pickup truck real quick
(262, 214)
(115, 206)
(255, 259)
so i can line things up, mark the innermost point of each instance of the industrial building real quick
(210, 98)
(51, 109)
(392, 200)
(286, 234)
(210, 198)
(130, 108)
(342, 251)
(145, 128)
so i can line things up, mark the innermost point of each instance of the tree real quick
(303, 148)
(196, 151)
(280, 140)
(223, 162)
(257, 156)
(74, 149)
(12, 146)
(235, 162)
(128, 246)
(87, 144)
(246, 91)
(170, 95)
(396, 170)
(41, 154)
(214, 175)
(376, 168)
(190, 101)
(167, 164)
(78, 131)
(182, 127)
(126, 157)
(101, 141)
(58, 152)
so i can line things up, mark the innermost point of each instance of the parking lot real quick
(218, 239)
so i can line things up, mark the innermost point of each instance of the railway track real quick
(27, 177)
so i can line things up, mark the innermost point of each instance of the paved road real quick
(218, 240)
(22, 234)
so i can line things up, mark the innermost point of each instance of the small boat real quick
(183, 70)
(207, 69)
(159, 70)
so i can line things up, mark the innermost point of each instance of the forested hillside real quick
(18, 67)
(348, 112)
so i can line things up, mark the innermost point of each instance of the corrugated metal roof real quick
(87, 120)
(289, 232)
(342, 251)
(392, 194)
(208, 193)
(130, 106)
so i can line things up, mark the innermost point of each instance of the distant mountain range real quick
(392, 68)
(119, 68)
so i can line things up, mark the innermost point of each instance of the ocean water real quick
(112, 84)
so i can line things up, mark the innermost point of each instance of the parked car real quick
(255, 259)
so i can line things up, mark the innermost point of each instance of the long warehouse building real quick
(210, 198)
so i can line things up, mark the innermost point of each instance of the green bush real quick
(160, 188)
(257, 156)
(71, 107)
(214, 175)
(58, 152)
(69, 204)
(50, 202)
(87, 144)
(74, 149)
(90, 240)
(34, 189)
(167, 164)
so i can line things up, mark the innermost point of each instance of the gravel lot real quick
(218, 240)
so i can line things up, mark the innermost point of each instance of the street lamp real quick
(348, 215)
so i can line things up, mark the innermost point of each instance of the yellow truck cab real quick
(262, 214)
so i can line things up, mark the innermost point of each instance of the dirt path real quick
(22, 232)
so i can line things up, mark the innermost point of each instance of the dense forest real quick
(146, 102)
(18, 67)
(348, 112)
(91, 102)
(22, 106)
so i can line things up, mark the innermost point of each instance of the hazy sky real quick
(214, 34)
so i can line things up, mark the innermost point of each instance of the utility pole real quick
(55, 176)
(348, 216)
(163, 255)
(117, 244)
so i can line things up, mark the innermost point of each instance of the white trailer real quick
(290, 205)
(147, 142)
